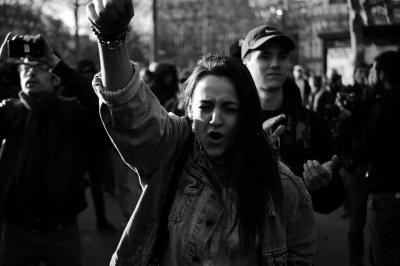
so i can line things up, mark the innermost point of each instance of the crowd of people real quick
(232, 157)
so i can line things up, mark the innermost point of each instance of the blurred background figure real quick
(183, 76)
(347, 131)
(166, 87)
(316, 89)
(146, 75)
(326, 104)
(380, 145)
(87, 68)
(302, 82)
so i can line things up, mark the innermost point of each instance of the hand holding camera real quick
(17, 47)
(4, 48)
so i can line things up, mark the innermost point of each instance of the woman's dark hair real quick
(389, 63)
(257, 179)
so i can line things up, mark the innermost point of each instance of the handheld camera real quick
(21, 48)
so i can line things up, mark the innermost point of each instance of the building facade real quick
(320, 28)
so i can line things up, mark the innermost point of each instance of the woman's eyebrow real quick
(231, 101)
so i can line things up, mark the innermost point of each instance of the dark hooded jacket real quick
(307, 137)
(381, 143)
(44, 153)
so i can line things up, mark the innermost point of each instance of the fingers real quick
(273, 121)
(110, 16)
(4, 49)
(331, 164)
(315, 175)
(110, 12)
(279, 130)
(312, 167)
(91, 12)
(277, 133)
(8, 36)
(98, 6)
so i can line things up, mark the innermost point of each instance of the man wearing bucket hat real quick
(301, 136)
(43, 159)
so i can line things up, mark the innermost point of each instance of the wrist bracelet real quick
(110, 41)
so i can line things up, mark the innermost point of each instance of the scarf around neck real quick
(38, 105)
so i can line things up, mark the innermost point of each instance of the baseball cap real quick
(261, 35)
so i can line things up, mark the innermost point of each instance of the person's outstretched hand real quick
(110, 17)
(274, 128)
(316, 175)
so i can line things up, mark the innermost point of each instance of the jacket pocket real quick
(189, 189)
(275, 258)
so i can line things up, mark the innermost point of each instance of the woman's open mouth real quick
(215, 137)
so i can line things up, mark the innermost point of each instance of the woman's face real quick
(215, 113)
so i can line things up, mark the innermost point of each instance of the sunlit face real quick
(215, 113)
(269, 67)
(36, 79)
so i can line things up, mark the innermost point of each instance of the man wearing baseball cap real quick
(302, 137)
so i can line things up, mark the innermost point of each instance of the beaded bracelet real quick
(110, 41)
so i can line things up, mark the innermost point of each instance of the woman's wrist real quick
(110, 41)
(116, 69)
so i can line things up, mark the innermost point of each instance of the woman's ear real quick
(55, 79)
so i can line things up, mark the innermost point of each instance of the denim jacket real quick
(149, 139)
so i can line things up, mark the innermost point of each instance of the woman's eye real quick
(265, 56)
(232, 109)
(204, 107)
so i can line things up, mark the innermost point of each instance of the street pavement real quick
(97, 247)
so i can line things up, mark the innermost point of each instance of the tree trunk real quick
(154, 43)
(77, 41)
(356, 26)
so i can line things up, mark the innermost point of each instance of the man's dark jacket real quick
(381, 144)
(307, 137)
(45, 146)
